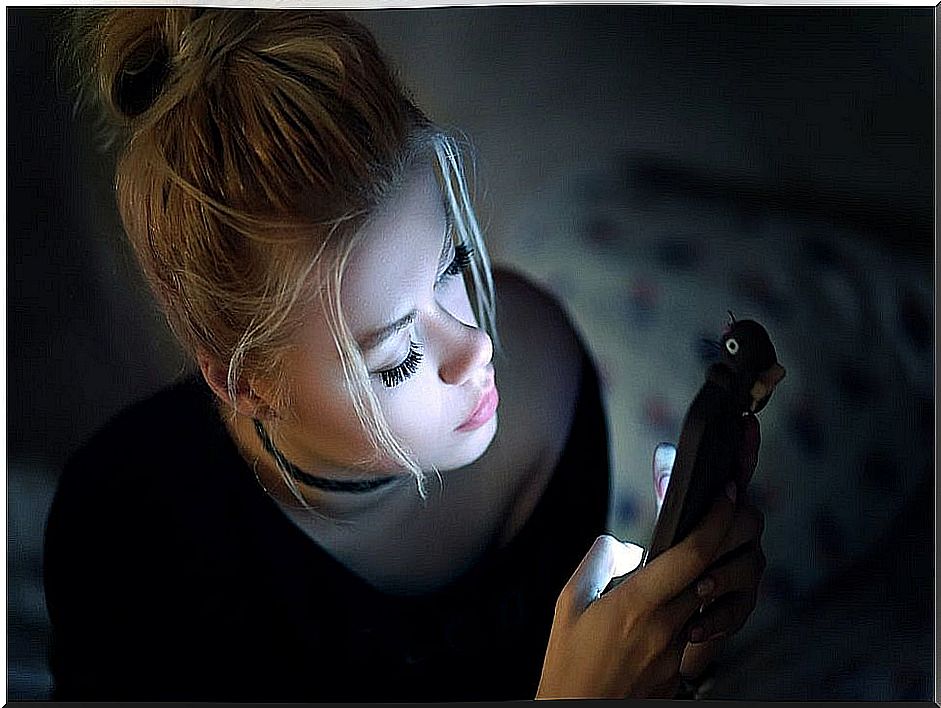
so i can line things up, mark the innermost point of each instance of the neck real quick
(325, 483)
(320, 497)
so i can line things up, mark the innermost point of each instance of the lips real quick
(483, 411)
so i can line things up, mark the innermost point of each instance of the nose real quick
(467, 350)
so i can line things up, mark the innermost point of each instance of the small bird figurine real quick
(738, 385)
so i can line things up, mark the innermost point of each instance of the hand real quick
(737, 573)
(630, 641)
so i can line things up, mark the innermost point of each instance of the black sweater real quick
(171, 575)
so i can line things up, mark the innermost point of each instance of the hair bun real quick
(142, 77)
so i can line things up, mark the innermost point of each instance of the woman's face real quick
(405, 302)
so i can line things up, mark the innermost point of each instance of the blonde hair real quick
(253, 146)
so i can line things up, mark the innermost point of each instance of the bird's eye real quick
(732, 345)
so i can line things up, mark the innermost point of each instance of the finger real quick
(606, 559)
(747, 528)
(663, 458)
(723, 617)
(697, 657)
(680, 610)
(741, 573)
(673, 570)
(751, 442)
(679, 616)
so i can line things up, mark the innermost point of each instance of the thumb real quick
(673, 570)
(663, 458)
(606, 559)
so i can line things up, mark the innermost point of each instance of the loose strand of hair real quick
(451, 165)
(365, 403)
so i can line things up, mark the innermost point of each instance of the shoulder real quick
(532, 323)
(143, 468)
(540, 363)
(141, 519)
(142, 436)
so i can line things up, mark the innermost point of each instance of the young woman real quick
(364, 493)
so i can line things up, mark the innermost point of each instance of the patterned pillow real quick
(646, 274)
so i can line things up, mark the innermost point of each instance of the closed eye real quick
(397, 374)
(459, 264)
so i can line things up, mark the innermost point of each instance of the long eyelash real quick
(395, 376)
(461, 261)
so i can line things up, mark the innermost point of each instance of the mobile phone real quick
(708, 454)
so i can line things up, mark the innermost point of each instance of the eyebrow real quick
(373, 339)
(377, 337)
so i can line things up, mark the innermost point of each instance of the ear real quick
(248, 401)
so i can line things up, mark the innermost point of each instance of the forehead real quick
(396, 258)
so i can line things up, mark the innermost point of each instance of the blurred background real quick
(654, 167)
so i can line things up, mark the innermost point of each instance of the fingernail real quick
(705, 586)
(696, 635)
(730, 491)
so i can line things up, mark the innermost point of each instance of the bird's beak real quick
(765, 384)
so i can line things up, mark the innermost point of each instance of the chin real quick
(471, 446)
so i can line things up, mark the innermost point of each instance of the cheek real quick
(456, 301)
(329, 422)
(326, 417)
(419, 410)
